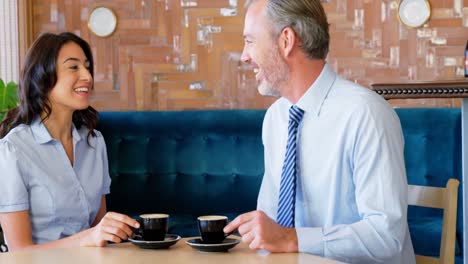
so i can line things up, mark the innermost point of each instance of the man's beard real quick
(276, 74)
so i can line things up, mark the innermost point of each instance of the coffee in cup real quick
(211, 228)
(153, 227)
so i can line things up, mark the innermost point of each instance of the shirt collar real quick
(313, 98)
(42, 135)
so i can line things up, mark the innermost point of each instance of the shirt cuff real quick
(310, 240)
(14, 208)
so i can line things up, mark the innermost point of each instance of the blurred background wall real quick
(184, 54)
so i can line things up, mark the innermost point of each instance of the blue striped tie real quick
(287, 194)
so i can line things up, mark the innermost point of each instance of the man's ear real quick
(287, 41)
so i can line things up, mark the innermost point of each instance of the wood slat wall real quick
(184, 54)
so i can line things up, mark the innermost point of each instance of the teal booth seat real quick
(185, 164)
(432, 156)
(194, 163)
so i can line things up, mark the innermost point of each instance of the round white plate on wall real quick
(102, 21)
(414, 13)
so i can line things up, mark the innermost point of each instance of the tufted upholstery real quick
(432, 156)
(193, 163)
(186, 164)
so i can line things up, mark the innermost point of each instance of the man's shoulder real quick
(343, 87)
(353, 95)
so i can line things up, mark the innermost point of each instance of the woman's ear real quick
(287, 41)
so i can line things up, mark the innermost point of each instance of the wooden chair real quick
(446, 199)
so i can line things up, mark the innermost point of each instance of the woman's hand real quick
(113, 227)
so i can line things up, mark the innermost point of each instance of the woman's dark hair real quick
(39, 76)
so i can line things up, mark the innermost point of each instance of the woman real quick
(54, 172)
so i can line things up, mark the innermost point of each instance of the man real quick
(335, 182)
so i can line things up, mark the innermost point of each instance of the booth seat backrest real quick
(432, 156)
(204, 162)
(190, 162)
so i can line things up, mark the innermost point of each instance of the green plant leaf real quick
(8, 96)
(12, 92)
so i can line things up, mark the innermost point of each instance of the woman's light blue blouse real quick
(36, 175)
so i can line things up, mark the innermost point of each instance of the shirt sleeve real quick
(379, 176)
(13, 187)
(105, 166)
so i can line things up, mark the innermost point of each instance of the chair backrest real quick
(442, 198)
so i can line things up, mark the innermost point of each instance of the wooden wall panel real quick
(184, 54)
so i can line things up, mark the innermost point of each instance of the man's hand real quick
(261, 232)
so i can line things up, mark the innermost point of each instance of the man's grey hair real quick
(308, 20)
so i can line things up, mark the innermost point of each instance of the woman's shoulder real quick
(95, 139)
(19, 133)
(84, 131)
(98, 133)
(14, 139)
